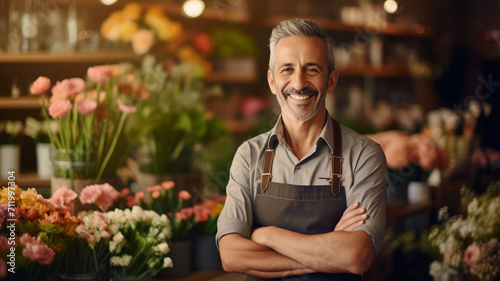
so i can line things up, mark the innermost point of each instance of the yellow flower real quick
(169, 30)
(132, 11)
(142, 41)
(110, 30)
(127, 30)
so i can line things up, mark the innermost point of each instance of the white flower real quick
(167, 262)
(121, 261)
(118, 238)
(163, 248)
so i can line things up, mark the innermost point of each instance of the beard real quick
(300, 112)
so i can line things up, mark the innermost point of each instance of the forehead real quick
(304, 49)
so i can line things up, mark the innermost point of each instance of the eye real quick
(312, 70)
(286, 70)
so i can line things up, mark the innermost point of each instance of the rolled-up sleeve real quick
(370, 189)
(236, 216)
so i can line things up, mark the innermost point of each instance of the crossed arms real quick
(273, 252)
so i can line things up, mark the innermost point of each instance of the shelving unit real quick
(385, 29)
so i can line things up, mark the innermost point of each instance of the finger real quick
(348, 224)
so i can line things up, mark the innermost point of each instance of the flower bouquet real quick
(410, 157)
(38, 232)
(91, 116)
(138, 242)
(469, 243)
(172, 122)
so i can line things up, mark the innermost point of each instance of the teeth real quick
(300, 97)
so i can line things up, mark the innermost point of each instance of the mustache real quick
(300, 92)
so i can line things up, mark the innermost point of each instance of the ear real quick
(270, 81)
(332, 81)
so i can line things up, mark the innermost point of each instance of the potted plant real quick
(10, 148)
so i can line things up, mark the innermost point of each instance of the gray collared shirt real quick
(364, 175)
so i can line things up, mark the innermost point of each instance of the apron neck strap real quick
(337, 159)
(336, 162)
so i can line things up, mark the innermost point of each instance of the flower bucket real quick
(419, 193)
(115, 276)
(180, 253)
(43, 162)
(205, 253)
(9, 159)
(77, 277)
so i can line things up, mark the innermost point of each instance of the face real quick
(300, 77)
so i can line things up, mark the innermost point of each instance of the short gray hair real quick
(300, 27)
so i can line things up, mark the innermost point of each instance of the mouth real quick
(300, 97)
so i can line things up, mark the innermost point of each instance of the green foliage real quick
(233, 42)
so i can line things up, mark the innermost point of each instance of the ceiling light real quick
(390, 6)
(193, 8)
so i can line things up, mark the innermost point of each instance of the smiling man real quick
(306, 200)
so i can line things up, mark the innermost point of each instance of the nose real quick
(298, 80)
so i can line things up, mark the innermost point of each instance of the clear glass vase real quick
(73, 164)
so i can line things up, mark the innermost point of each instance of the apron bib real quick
(303, 209)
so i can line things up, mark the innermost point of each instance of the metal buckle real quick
(339, 157)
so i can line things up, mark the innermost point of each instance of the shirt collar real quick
(278, 134)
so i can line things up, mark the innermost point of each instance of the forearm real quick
(333, 252)
(242, 255)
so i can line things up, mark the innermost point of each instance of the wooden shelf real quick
(47, 57)
(383, 71)
(238, 126)
(231, 78)
(20, 103)
(28, 180)
(388, 29)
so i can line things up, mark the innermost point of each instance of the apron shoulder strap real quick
(266, 172)
(336, 159)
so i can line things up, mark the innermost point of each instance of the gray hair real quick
(300, 27)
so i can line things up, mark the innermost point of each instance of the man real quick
(286, 214)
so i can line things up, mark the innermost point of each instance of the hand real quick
(353, 217)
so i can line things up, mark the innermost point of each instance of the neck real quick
(302, 135)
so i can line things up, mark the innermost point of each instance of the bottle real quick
(15, 92)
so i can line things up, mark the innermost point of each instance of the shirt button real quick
(298, 167)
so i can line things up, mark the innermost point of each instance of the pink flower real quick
(40, 86)
(69, 87)
(63, 198)
(86, 233)
(139, 195)
(103, 195)
(126, 108)
(131, 201)
(184, 195)
(124, 192)
(155, 194)
(3, 269)
(60, 108)
(86, 106)
(167, 185)
(472, 254)
(100, 73)
(154, 188)
(102, 221)
(35, 250)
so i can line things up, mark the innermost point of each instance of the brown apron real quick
(303, 209)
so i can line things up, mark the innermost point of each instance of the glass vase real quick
(73, 164)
